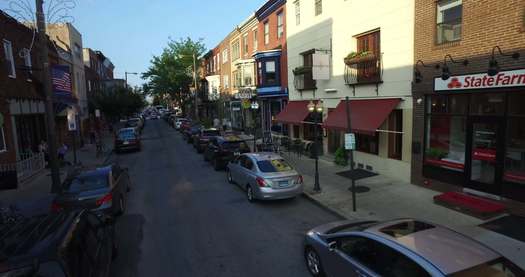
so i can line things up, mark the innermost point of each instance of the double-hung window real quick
(225, 56)
(318, 7)
(449, 15)
(280, 25)
(9, 59)
(255, 39)
(266, 33)
(236, 50)
(297, 5)
(245, 44)
(27, 60)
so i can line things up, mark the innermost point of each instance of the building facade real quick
(335, 51)
(271, 62)
(469, 117)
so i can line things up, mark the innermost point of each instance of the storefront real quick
(475, 133)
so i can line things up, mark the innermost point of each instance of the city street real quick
(184, 219)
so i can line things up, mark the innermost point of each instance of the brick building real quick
(469, 117)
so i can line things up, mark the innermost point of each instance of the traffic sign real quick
(350, 141)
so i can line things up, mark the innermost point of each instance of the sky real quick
(130, 32)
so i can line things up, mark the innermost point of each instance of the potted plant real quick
(436, 153)
(341, 157)
(358, 57)
(301, 70)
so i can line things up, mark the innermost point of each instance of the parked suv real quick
(66, 244)
(221, 150)
(201, 139)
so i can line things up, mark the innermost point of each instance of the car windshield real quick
(210, 133)
(126, 135)
(274, 165)
(500, 267)
(88, 182)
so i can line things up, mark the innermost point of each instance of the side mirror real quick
(332, 246)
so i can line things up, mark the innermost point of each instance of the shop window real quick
(445, 141)
(488, 104)
(296, 129)
(515, 144)
(268, 73)
(367, 143)
(448, 26)
(395, 138)
(444, 104)
(3, 146)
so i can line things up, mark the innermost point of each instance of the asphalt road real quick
(184, 219)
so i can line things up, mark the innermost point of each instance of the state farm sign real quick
(504, 79)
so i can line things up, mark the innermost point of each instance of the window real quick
(446, 131)
(27, 60)
(270, 76)
(225, 56)
(449, 16)
(89, 85)
(297, 5)
(303, 77)
(367, 143)
(318, 7)
(248, 75)
(280, 25)
(395, 137)
(236, 50)
(245, 44)
(277, 165)
(247, 163)
(9, 59)
(266, 33)
(3, 146)
(369, 70)
(255, 39)
(515, 144)
(78, 51)
(380, 258)
(237, 79)
(226, 80)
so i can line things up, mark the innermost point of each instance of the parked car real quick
(65, 244)
(180, 123)
(185, 125)
(135, 123)
(221, 150)
(127, 139)
(102, 190)
(405, 247)
(265, 176)
(190, 132)
(201, 139)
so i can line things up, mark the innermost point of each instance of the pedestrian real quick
(216, 123)
(62, 152)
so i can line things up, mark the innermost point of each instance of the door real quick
(235, 168)
(485, 154)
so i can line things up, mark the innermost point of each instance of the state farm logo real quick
(454, 83)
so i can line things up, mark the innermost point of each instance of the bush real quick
(341, 157)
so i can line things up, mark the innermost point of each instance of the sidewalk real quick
(33, 196)
(389, 198)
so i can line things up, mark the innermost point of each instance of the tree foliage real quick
(119, 102)
(171, 73)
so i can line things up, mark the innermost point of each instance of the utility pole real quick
(46, 80)
(349, 130)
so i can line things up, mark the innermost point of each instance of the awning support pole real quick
(349, 125)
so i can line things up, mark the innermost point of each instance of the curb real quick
(323, 206)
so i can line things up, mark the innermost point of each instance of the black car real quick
(221, 150)
(102, 191)
(65, 244)
(202, 138)
(127, 139)
(190, 132)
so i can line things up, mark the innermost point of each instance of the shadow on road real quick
(129, 231)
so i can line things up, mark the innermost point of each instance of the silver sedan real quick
(265, 176)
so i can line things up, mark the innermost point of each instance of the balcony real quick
(362, 70)
(303, 78)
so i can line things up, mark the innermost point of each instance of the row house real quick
(97, 68)
(336, 51)
(469, 91)
(270, 45)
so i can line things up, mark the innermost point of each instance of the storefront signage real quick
(350, 141)
(504, 79)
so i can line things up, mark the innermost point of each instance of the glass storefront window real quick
(516, 104)
(445, 145)
(448, 104)
(488, 104)
(515, 150)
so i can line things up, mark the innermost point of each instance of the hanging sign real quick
(321, 66)
(350, 141)
(504, 79)
(71, 120)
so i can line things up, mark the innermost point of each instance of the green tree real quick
(118, 102)
(172, 72)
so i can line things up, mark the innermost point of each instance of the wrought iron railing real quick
(369, 71)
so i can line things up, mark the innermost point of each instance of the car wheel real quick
(229, 176)
(313, 262)
(216, 165)
(249, 194)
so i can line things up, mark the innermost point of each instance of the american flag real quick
(61, 79)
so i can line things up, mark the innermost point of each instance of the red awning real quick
(294, 113)
(366, 115)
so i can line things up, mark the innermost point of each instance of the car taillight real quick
(262, 183)
(107, 198)
(55, 207)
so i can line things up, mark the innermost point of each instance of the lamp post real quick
(316, 109)
(126, 76)
(254, 106)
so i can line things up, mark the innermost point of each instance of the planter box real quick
(360, 59)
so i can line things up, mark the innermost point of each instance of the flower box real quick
(359, 59)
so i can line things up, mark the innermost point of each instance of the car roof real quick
(264, 156)
(36, 237)
(448, 250)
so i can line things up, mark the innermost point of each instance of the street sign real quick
(71, 120)
(350, 141)
(97, 113)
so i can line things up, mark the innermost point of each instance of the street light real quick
(317, 110)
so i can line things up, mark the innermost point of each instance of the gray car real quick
(404, 247)
(265, 176)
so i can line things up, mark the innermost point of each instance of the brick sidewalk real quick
(389, 199)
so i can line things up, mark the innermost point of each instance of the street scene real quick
(273, 138)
